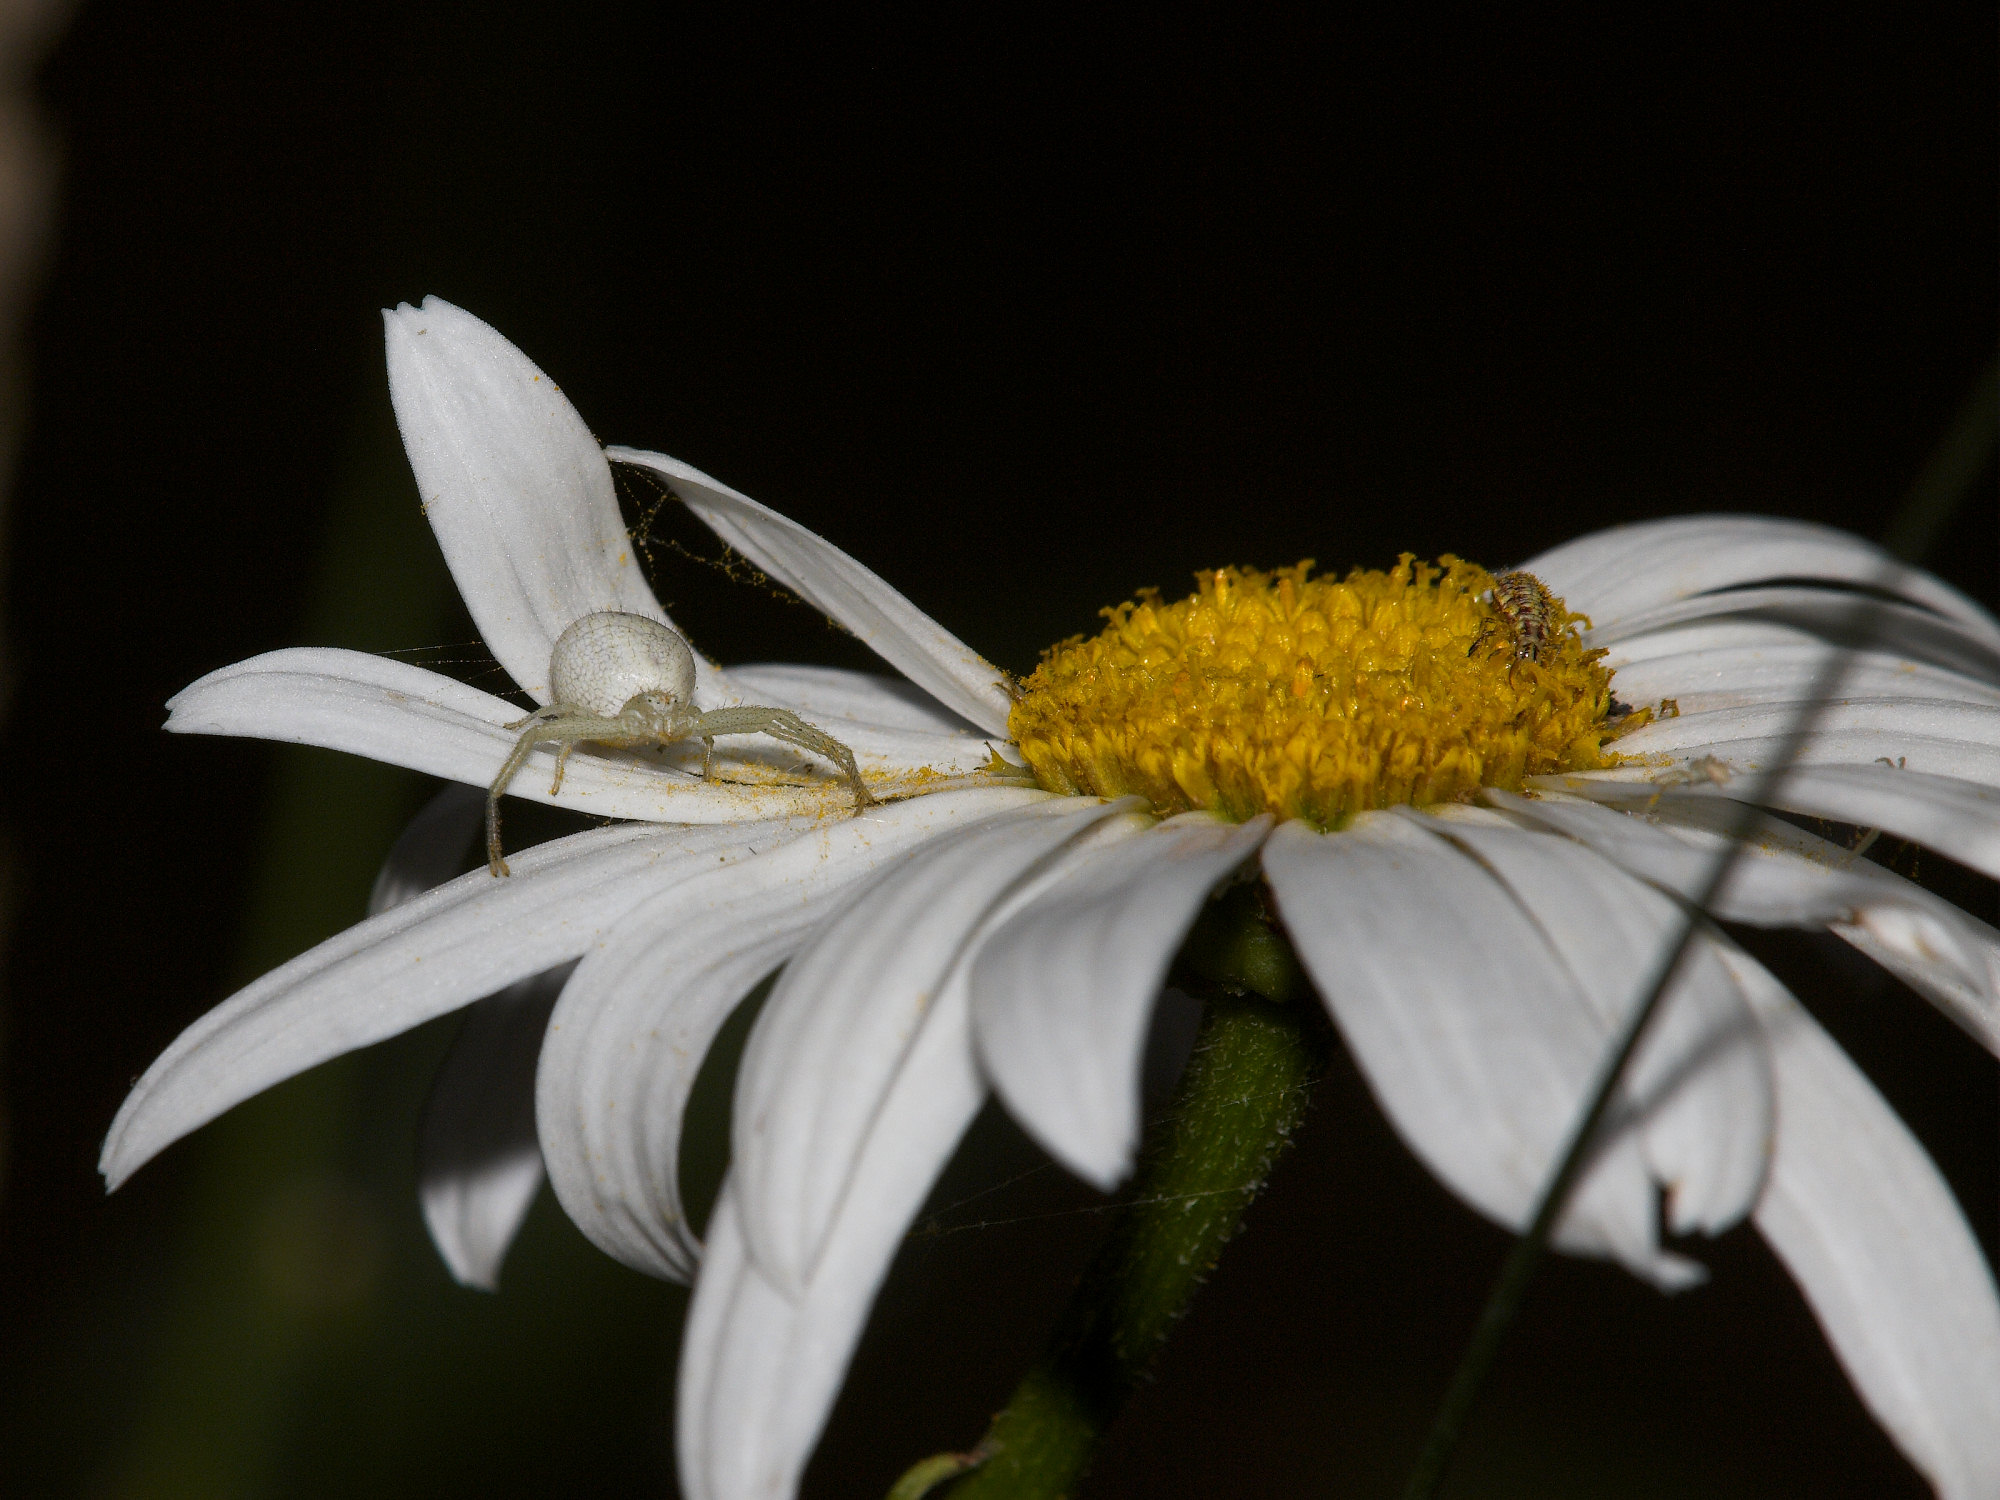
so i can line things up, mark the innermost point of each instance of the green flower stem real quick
(1261, 1044)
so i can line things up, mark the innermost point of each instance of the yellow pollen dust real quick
(1284, 693)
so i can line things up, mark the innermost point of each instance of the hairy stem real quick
(1261, 1044)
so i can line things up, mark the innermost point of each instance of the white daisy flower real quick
(1477, 859)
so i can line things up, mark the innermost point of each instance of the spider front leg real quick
(783, 724)
(543, 725)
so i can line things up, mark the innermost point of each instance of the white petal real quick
(831, 581)
(733, 1313)
(479, 1165)
(1472, 1035)
(760, 1369)
(1851, 620)
(635, 1021)
(1860, 1217)
(392, 711)
(1782, 876)
(1610, 575)
(1756, 631)
(1955, 817)
(1945, 739)
(1063, 991)
(514, 485)
(1700, 1077)
(833, 693)
(842, 1019)
(382, 976)
(761, 1363)
(1732, 676)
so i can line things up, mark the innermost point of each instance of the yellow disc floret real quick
(1284, 693)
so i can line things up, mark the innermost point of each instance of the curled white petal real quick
(1856, 1210)
(514, 485)
(1063, 990)
(841, 1020)
(424, 958)
(479, 1165)
(827, 578)
(1613, 574)
(636, 1019)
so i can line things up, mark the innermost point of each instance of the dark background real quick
(1026, 312)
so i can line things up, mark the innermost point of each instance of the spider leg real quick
(562, 762)
(783, 724)
(530, 728)
(546, 711)
(545, 724)
(707, 755)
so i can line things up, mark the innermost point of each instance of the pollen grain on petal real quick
(1314, 699)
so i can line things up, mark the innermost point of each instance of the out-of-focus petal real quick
(827, 578)
(636, 1019)
(1943, 739)
(1615, 573)
(1700, 1084)
(1781, 876)
(514, 485)
(842, 1019)
(431, 848)
(1472, 1034)
(1860, 1217)
(479, 1165)
(424, 958)
(394, 712)
(1063, 991)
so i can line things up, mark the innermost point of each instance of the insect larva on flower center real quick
(1524, 610)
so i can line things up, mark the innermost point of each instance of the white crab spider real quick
(623, 680)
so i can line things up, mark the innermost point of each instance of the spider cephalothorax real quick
(624, 680)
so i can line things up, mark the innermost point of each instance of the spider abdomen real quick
(602, 661)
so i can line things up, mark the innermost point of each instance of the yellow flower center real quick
(1283, 693)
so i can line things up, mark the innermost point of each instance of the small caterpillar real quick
(1523, 609)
